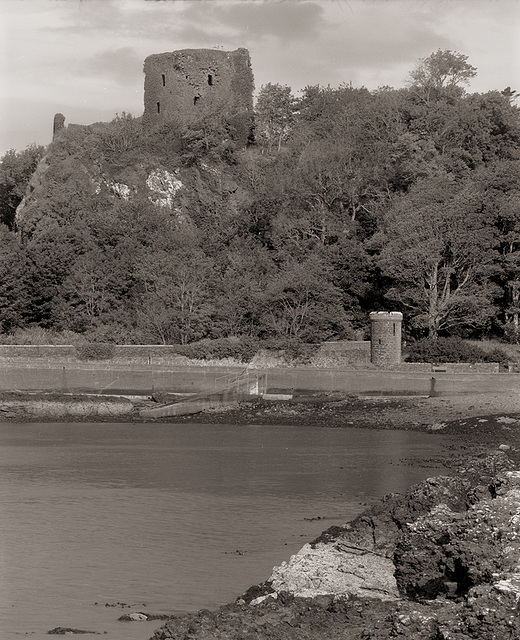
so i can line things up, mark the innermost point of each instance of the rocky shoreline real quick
(440, 562)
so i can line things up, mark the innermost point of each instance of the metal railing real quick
(247, 381)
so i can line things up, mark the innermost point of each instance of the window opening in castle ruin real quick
(394, 328)
(184, 81)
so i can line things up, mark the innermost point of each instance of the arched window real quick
(163, 79)
(158, 107)
(210, 79)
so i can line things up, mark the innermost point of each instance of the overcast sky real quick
(84, 58)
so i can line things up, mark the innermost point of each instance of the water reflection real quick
(156, 513)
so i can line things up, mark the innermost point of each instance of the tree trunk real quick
(433, 303)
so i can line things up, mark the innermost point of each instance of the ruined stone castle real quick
(180, 85)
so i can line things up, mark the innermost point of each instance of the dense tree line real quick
(348, 201)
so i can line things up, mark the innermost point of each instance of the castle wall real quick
(179, 85)
(58, 123)
(345, 352)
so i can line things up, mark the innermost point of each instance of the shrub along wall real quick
(37, 351)
(242, 351)
(453, 350)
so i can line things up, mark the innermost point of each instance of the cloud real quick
(122, 65)
(287, 21)
(366, 43)
(85, 57)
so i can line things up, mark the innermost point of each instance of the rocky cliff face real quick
(441, 562)
(159, 186)
(95, 170)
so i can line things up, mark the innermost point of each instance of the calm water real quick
(174, 517)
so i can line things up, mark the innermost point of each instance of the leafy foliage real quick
(275, 116)
(95, 351)
(452, 350)
(348, 201)
(294, 351)
(241, 349)
(438, 249)
(16, 169)
(442, 70)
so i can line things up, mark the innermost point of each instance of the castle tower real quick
(178, 86)
(385, 340)
(58, 123)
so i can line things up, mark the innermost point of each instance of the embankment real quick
(46, 387)
(139, 378)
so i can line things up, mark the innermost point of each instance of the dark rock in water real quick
(139, 616)
(133, 617)
(122, 605)
(441, 562)
(64, 631)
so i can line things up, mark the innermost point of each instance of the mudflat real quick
(481, 419)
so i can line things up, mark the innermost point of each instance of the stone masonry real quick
(180, 84)
(385, 349)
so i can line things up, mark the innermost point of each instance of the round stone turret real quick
(385, 340)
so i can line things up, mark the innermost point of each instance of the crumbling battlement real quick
(58, 124)
(179, 85)
(182, 85)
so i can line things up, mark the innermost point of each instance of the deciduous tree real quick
(274, 108)
(175, 305)
(302, 303)
(13, 294)
(438, 248)
(441, 70)
(16, 169)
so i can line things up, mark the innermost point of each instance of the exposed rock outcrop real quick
(63, 406)
(324, 569)
(441, 562)
(163, 185)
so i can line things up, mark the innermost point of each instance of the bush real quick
(452, 350)
(295, 351)
(511, 334)
(40, 336)
(96, 351)
(241, 349)
(500, 356)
